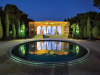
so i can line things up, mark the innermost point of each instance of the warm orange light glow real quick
(32, 52)
(42, 43)
(66, 53)
(48, 21)
(41, 52)
(31, 22)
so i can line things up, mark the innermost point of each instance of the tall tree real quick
(85, 32)
(65, 20)
(81, 31)
(95, 32)
(88, 27)
(16, 14)
(98, 25)
(77, 29)
(7, 25)
(13, 31)
(18, 29)
(1, 30)
(73, 26)
(96, 3)
(23, 30)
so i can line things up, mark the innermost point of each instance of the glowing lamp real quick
(21, 30)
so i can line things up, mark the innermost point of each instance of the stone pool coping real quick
(52, 64)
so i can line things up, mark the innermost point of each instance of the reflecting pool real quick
(49, 51)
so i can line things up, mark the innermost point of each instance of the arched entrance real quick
(48, 30)
(59, 30)
(38, 30)
(53, 30)
(44, 30)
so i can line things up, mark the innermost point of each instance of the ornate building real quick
(49, 27)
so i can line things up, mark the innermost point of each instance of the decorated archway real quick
(48, 30)
(44, 30)
(59, 30)
(54, 30)
(38, 30)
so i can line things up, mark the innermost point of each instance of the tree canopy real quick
(96, 3)
(15, 13)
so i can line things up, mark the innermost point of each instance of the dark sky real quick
(57, 10)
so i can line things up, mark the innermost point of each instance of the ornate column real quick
(68, 31)
(41, 30)
(62, 29)
(51, 30)
(46, 30)
(35, 30)
(56, 30)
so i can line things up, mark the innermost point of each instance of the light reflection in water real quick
(77, 49)
(53, 45)
(50, 48)
(49, 51)
(58, 45)
(39, 45)
(44, 45)
(22, 49)
(48, 45)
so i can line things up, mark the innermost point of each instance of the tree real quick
(13, 31)
(88, 27)
(23, 30)
(73, 26)
(81, 28)
(1, 30)
(7, 25)
(65, 20)
(77, 29)
(18, 29)
(85, 32)
(15, 14)
(98, 25)
(95, 32)
(96, 3)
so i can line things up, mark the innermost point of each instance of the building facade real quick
(49, 27)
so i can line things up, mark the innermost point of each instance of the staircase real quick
(38, 36)
(51, 36)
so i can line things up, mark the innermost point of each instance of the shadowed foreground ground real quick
(89, 67)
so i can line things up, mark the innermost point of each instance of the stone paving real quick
(89, 67)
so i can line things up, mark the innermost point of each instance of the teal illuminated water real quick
(49, 51)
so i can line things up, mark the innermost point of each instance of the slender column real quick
(46, 30)
(41, 30)
(62, 30)
(36, 30)
(56, 30)
(51, 30)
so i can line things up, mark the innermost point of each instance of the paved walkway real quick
(89, 67)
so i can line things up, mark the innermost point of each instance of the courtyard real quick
(88, 67)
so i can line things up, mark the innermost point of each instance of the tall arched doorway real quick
(44, 30)
(53, 30)
(38, 30)
(59, 30)
(48, 30)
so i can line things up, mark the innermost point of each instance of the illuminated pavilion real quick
(49, 27)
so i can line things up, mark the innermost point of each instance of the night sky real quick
(57, 10)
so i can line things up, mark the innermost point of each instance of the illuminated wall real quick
(49, 27)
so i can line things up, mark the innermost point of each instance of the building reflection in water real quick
(49, 48)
